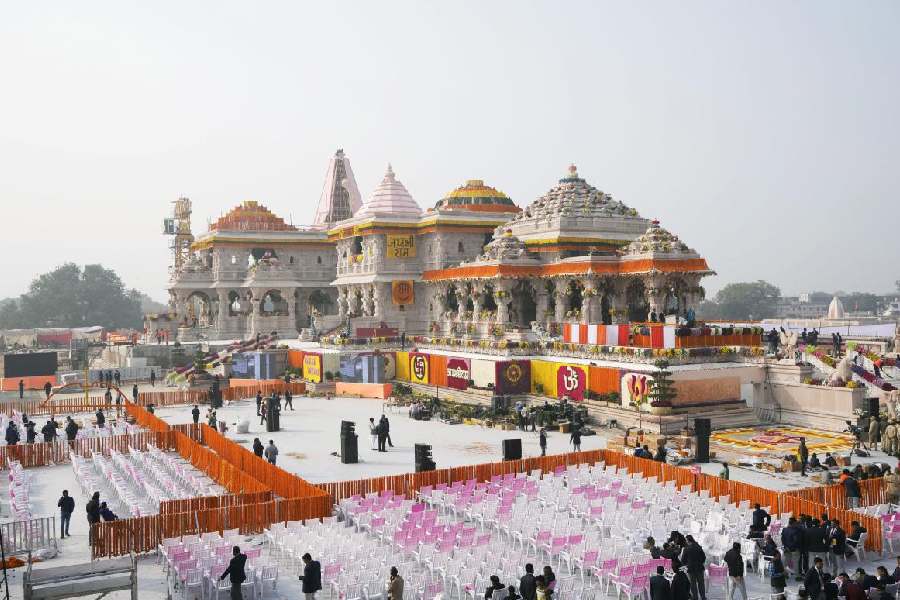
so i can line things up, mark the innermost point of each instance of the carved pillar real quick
(353, 301)
(256, 312)
(562, 299)
(542, 302)
(438, 301)
(655, 292)
(377, 301)
(224, 309)
(477, 301)
(461, 298)
(502, 299)
(342, 303)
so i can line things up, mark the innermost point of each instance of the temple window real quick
(233, 259)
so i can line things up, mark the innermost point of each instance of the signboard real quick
(458, 373)
(401, 246)
(571, 381)
(513, 377)
(402, 293)
(418, 368)
(312, 368)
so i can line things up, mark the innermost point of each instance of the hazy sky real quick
(765, 134)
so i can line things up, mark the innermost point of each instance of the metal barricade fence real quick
(27, 537)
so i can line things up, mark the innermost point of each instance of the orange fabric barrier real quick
(438, 370)
(57, 406)
(363, 390)
(36, 382)
(295, 359)
(43, 454)
(602, 380)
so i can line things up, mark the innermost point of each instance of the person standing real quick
(271, 452)
(49, 431)
(12, 434)
(660, 589)
(575, 438)
(382, 436)
(21, 389)
(236, 573)
(288, 400)
(387, 430)
(152, 378)
(874, 432)
(760, 521)
(527, 585)
(71, 429)
(395, 585)
(694, 559)
(681, 585)
(66, 506)
(195, 414)
(373, 433)
(134, 393)
(258, 402)
(837, 543)
(258, 447)
(311, 578)
(851, 489)
(814, 582)
(777, 578)
(263, 407)
(211, 419)
(93, 515)
(803, 455)
(48, 387)
(735, 563)
(542, 440)
(30, 432)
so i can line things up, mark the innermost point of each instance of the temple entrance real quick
(524, 308)
(636, 298)
(199, 310)
(273, 304)
(605, 316)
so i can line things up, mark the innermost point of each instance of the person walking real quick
(373, 433)
(395, 585)
(258, 402)
(152, 378)
(575, 438)
(195, 414)
(235, 572)
(660, 588)
(311, 578)
(93, 515)
(134, 393)
(288, 400)
(12, 434)
(542, 440)
(778, 576)
(735, 563)
(263, 407)
(527, 584)
(118, 378)
(803, 455)
(382, 436)
(271, 452)
(66, 507)
(694, 559)
(48, 387)
(387, 430)
(257, 447)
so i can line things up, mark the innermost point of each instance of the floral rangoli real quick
(780, 440)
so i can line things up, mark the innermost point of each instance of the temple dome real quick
(504, 247)
(657, 240)
(573, 196)
(836, 309)
(250, 216)
(477, 196)
(340, 197)
(390, 198)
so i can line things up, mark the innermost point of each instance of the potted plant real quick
(662, 392)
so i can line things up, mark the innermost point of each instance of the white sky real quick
(765, 134)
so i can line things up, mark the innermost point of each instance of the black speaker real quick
(349, 443)
(874, 406)
(512, 449)
(424, 461)
(702, 429)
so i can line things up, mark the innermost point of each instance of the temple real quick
(474, 263)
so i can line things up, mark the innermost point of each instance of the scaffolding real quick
(178, 227)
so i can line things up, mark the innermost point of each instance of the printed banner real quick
(312, 368)
(513, 377)
(402, 293)
(635, 389)
(401, 246)
(458, 373)
(571, 382)
(418, 368)
(390, 365)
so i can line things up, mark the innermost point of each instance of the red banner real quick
(513, 377)
(458, 373)
(571, 382)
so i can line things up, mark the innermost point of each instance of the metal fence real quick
(27, 537)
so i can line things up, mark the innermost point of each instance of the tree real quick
(860, 301)
(70, 296)
(746, 300)
(662, 392)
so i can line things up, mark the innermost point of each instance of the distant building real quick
(799, 307)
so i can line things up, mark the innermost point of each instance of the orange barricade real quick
(43, 454)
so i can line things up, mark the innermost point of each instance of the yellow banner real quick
(312, 368)
(402, 293)
(401, 246)
(418, 368)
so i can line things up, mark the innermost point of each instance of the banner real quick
(571, 381)
(402, 293)
(312, 368)
(458, 373)
(635, 389)
(390, 365)
(401, 246)
(418, 368)
(513, 377)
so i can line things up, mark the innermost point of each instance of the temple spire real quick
(340, 197)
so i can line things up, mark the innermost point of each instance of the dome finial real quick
(573, 170)
(389, 174)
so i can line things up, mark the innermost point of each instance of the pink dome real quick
(390, 198)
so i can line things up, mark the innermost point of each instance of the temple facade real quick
(473, 264)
